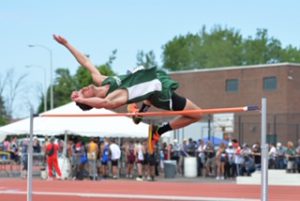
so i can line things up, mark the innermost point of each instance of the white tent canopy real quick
(84, 126)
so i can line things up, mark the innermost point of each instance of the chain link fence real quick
(280, 128)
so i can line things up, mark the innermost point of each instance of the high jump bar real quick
(165, 113)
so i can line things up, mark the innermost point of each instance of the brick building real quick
(246, 85)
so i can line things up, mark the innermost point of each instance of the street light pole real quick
(51, 71)
(45, 85)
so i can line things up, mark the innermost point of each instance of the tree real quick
(15, 88)
(179, 54)
(3, 114)
(12, 86)
(261, 49)
(290, 54)
(3, 82)
(84, 78)
(223, 47)
(111, 58)
(63, 86)
(146, 59)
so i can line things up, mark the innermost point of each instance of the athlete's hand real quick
(74, 95)
(60, 39)
(77, 97)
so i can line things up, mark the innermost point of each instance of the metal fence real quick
(17, 167)
(280, 128)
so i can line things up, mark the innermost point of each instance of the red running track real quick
(110, 190)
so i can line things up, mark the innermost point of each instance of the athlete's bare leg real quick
(185, 120)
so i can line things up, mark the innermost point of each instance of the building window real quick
(270, 83)
(232, 85)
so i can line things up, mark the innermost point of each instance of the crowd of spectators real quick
(96, 158)
(231, 159)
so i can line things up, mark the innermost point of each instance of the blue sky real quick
(97, 27)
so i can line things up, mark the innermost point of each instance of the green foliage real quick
(203, 50)
(261, 49)
(223, 47)
(3, 114)
(83, 77)
(290, 54)
(178, 53)
(111, 58)
(146, 59)
(64, 85)
(106, 70)
(3, 121)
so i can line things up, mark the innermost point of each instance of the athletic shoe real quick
(59, 178)
(153, 138)
(133, 108)
(139, 179)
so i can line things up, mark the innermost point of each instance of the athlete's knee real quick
(194, 117)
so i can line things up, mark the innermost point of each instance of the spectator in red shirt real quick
(52, 159)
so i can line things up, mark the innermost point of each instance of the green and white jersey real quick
(151, 84)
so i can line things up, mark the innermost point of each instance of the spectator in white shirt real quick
(272, 156)
(115, 156)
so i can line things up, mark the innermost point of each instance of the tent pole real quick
(120, 161)
(29, 159)
(65, 144)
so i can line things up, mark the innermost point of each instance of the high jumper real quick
(152, 86)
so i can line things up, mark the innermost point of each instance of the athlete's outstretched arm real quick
(82, 59)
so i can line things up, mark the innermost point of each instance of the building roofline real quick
(236, 68)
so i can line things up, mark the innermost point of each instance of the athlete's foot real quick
(153, 138)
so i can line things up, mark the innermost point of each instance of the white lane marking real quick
(130, 196)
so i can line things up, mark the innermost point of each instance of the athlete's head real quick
(84, 107)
